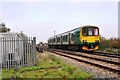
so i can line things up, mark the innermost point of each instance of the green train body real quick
(82, 38)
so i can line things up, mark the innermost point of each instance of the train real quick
(86, 38)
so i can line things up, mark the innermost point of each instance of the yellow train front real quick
(82, 38)
(89, 37)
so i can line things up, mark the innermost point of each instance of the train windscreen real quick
(90, 31)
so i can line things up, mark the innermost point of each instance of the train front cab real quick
(90, 38)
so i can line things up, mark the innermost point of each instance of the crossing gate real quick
(16, 52)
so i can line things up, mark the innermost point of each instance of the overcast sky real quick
(40, 19)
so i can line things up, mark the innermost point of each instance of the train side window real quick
(58, 39)
(77, 34)
(54, 40)
(72, 36)
(50, 41)
(84, 32)
(65, 38)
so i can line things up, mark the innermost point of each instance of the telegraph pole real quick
(54, 33)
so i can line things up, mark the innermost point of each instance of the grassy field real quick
(48, 66)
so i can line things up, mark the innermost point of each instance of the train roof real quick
(68, 31)
(73, 30)
(88, 26)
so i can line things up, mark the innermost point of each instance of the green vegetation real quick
(7, 73)
(48, 66)
(3, 28)
(110, 45)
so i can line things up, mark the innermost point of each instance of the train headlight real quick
(84, 41)
(96, 40)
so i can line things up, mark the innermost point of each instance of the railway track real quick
(105, 54)
(105, 64)
(99, 59)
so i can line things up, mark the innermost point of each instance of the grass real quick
(7, 73)
(48, 66)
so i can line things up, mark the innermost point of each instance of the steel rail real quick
(80, 60)
(106, 54)
(111, 62)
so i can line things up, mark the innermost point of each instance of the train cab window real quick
(96, 32)
(90, 31)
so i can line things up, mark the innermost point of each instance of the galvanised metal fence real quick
(17, 52)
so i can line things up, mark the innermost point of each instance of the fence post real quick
(34, 49)
(1, 51)
(11, 48)
(0, 73)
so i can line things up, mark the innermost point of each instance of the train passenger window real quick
(65, 38)
(50, 41)
(72, 36)
(84, 32)
(77, 34)
(58, 39)
(54, 40)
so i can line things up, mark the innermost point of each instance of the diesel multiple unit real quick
(82, 38)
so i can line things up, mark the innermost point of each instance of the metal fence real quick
(17, 52)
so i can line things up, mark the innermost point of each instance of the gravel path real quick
(95, 71)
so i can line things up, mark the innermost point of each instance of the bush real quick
(112, 43)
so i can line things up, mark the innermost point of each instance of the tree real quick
(114, 42)
(4, 29)
(104, 43)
